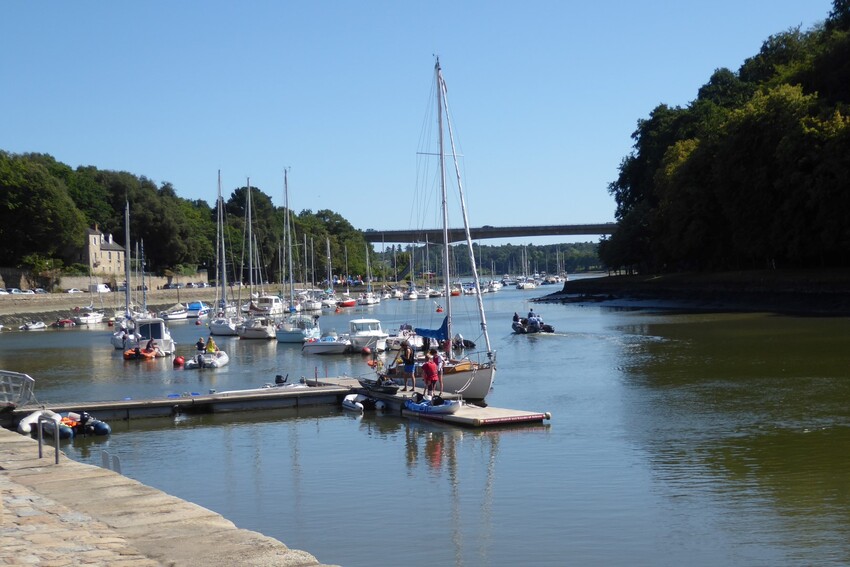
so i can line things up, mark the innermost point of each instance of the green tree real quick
(52, 225)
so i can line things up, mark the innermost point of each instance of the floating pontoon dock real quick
(326, 391)
(470, 415)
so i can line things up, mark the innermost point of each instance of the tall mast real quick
(441, 88)
(221, 252)
(250, 245)
(288, 236)
(127, 313)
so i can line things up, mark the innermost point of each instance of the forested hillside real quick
(46, 208)
(754, 173)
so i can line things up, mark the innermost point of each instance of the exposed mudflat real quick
(799, 292)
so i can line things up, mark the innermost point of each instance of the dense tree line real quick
(46, 208)
(754, 173)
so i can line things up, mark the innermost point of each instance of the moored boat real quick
(196, 309)
(257, 327)
(432, 405)
(88, 317)
(298, 328)
(175, 313)
(138, 353)
(472, 375)
(73, 424)
(330, 343)
(367, 333)
(359, 403)
(144, 330)
(33, 326)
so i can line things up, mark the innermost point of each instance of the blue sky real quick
(544, 94)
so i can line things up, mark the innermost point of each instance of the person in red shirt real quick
(430, 375)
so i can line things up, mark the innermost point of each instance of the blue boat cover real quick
(441, 334)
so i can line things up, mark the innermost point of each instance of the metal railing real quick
(42, 419)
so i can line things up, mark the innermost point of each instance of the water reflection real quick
(751, 413)
(685, 438)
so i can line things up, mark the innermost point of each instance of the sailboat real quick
(296, 328)
(330, 299)
(467, 377)
(368, 297)
(259, 323)
(226, 320)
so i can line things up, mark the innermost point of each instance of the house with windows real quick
(102, 254)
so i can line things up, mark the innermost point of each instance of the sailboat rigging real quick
(296, 328)
(463, 376)
(227, 319)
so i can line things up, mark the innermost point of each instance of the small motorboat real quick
(29, 423)
(330, 343)
(526, 327)
(140, 354)
(73, 424)
(207, 360)
(33, 326)
(197, 309)
(62, 323)
(359, 403)
(432, 405)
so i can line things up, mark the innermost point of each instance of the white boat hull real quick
(207, 360)
(224, 326)
(325, 346)
(256, 329)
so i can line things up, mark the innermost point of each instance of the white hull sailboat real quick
(226, 320)
(470, 376)
(296, 328)
(258, 324)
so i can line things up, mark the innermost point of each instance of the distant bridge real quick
(458, 235)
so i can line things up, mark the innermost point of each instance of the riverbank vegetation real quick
(60, 204)
(752, 174)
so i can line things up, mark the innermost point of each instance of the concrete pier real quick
(76, 514)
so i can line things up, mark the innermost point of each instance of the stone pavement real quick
(76, 514)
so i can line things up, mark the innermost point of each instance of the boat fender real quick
(379, 405)
(179, 361)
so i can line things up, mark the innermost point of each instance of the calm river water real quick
(676, 438)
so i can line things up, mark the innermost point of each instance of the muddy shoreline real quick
(819, 293)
